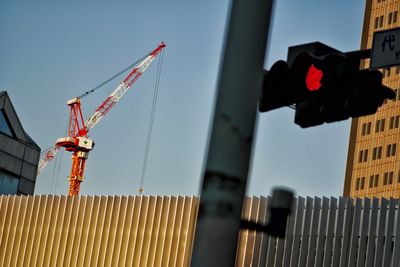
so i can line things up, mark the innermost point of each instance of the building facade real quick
(373, 163)
(19, 154)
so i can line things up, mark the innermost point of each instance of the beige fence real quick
(96, 231)
(327, 232)
(159, 231)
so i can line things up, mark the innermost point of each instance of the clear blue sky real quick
(51, 52)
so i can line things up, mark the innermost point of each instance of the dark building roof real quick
(13, 120)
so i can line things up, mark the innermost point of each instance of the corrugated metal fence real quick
(325, 232)
(96, 231)
(159, 231)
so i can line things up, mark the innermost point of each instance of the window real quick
(381, 21)
(363, 156)
(386, 72)
(397, 68)
(362, 183)
(390, 181)
(376, 153)
(366, 128)
(5, 125)
(379, 125)
(395, 93)
(371, 181)
(396, 121)
(357, 183)
(390, 18)
(391, 150)
(376, 182)
(391, 122)
(388, 178)
(376, 25)
(8, 184)
(395, 17)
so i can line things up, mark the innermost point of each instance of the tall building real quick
(19, 154)
(373, 162)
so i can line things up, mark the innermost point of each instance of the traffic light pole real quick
(359, 54)
(230, 147)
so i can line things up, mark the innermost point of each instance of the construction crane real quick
(77, 140)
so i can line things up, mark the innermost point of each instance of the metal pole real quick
(225, 177)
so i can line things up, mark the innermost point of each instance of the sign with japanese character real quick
(385, 50)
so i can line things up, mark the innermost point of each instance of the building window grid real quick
(380, 124)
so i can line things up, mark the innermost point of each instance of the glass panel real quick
(4, 126)
(8, 184)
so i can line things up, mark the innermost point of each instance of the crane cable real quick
(112, 78)
(151, 121)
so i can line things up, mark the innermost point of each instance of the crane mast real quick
(77, 140)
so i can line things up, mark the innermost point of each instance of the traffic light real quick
(324, 84)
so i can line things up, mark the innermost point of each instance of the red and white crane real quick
(77, 140)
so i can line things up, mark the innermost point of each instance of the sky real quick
(51, 52)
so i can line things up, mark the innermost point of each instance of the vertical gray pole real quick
(225, 177)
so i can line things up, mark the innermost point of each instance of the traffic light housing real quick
(324, 84)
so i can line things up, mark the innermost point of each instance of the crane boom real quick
(122, 88)
(46, 156)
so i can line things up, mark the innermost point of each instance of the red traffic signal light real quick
(313, 78)
(324, 88)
